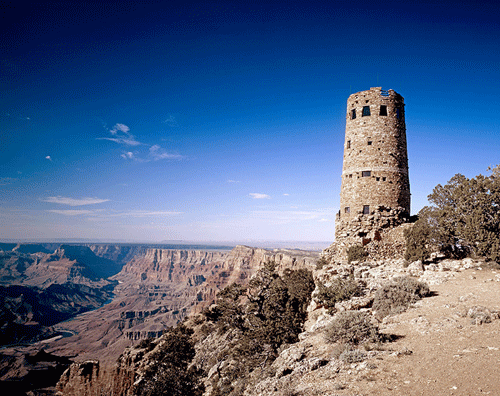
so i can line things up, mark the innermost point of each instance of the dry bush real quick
(356, 253)
(352, 356)
(321, 262)
(396, 296)
(352, 327)
(339, 290)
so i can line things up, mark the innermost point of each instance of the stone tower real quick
(375, 191)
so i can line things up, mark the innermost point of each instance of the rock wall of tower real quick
(375, 190)
(375, 168)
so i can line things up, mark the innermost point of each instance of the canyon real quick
(110, 297)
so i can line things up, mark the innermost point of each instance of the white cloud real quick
(259, 196)
(48, 157)
(128, 155)
(72, 212)
(74, 202)
(122, 135)
(323, 220)
(157, 153)
(286, 195)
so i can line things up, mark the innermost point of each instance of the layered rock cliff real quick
(157, 289)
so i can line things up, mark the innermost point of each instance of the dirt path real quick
(450, 356)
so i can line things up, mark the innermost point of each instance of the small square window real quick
(366, 173)
(350, 176)
(347, 209)
(377, 178)
(369, 142)
(353, 114)
(348, 144)
(384, 179)
(366, 111)
(366, 209)
(383, 110)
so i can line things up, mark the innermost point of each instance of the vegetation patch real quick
(170, 374)
(463, 219)
(268, 313)
(339, 290)
(396, 296)
(352, 327)
(321, 262)
(356, 253)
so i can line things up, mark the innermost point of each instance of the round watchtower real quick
(375, 169)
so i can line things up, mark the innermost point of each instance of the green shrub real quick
(397, 295)
(169, 375)
(339, 290)
(356, 253)
(352, 327)
(417, 240)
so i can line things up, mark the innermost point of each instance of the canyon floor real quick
(437, 351)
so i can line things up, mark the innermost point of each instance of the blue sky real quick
(224, 121)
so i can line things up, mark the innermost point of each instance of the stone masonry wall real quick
(375, 190)
(375, 169)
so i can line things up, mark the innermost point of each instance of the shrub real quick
(147, 344)
(464, 216)
(339, 290)
(417, 239)
(352, 356)
(397, 295)
(321, 262)
(352, 327)
(169, 375)
(356, 253)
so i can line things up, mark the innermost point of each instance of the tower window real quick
(366, 209)
(347, 209)
(366, 173)
(378, 178)
(366, 111)
(383, 110)
(384, 179)
(369, 142)
(353, 114)
(348, 144)
(398, 113)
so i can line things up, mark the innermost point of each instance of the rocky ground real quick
(446, 344)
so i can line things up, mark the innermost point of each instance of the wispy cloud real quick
(288, 216)
(7, 180)
(73, 212)
(103, 214)
(74, 202)
(158, 153)
(259, 196)
(121, 134)
(286, 195)
(48, 157)
(145, 213)
(171, 121)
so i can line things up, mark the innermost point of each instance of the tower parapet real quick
(375, 190)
